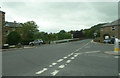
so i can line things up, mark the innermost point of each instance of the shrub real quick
(14, 38)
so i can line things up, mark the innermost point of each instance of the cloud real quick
(54, 16)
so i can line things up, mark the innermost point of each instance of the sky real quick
(55, 16)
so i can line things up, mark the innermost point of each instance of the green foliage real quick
(14, 38)
(29, 30)
(89, 33)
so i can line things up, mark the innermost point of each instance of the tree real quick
(14, 38)
(28, 30)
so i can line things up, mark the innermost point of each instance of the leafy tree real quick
(28, 30)
(14, 38)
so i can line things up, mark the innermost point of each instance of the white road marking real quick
(61, 66)
(116, 56)
(60, 60)
(119, 74)
(54, 63)
(68, 61)
(71, 53)
(72, 57)
(44, 69)
(50, 66)
(64, 57)
(75, 55)
(93, 52)
(77, 50)
(55, 72)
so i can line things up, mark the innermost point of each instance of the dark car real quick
(110, 40)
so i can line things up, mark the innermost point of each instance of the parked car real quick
(107, 41)
(110, 40)
(36, 42)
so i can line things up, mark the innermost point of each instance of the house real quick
(9, 27)
(2, 23)
(110, 30)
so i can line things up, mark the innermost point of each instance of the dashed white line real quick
(64, 57)
(54, 63)
(72, 57)
(68, 61)
(61, 66)
(55, 72)
(60, 60)
(44, 69)
(50, 66)
(69, 55)
(77, 50)
(75, 55)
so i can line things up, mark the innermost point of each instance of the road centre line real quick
(60, 60)
(64, 57)
(68, 61)
(55, 72)
(54, 64)
(61, 66)
(72, 57)
(44, 69)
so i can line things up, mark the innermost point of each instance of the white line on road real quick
(60, 60)
(116, 57)
(44, 69)
(64, 57)
(61, 66)
(119, 74)
(54, 64)
(72, 57)
(50, 66)
(55, 72)
(75, 55)
(69, 55)
(68, 61)
(93, 52)
(77, 50)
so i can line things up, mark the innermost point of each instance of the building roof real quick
(2, 12)
(13, 24)
(114, 23)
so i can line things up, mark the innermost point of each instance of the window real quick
(113, 28)
(6, 32)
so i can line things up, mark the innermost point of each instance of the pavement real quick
(79, 58)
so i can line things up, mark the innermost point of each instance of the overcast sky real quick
(56, 16)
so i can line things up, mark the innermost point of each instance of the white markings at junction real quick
(64, 57)
(55, 72)
(68, 61)
(60, 60)
(44, 69)
(61, 66)
(54, 63)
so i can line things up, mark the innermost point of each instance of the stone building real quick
(111, 30)
(2, 23)
(9, 27)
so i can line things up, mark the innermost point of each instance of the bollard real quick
(116, 45)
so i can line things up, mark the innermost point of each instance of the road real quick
(79, 58)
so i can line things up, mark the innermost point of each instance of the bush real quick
(14, 38)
